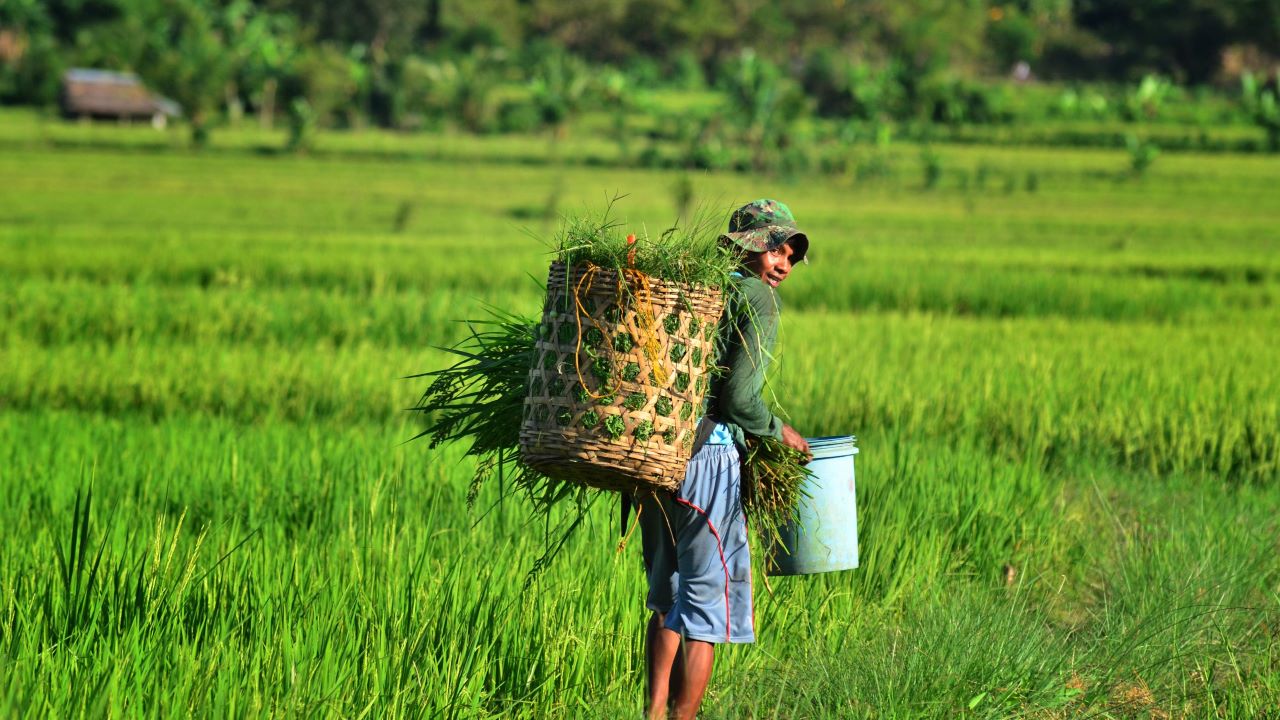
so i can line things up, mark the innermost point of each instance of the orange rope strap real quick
(622, 544)
(646, 320)
(588, 278)
(644, 313)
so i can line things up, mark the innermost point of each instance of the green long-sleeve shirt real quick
(748, 333)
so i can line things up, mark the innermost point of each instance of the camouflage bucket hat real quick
(764, 225)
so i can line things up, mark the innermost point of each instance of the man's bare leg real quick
(662, 649)
(677, 676)
(699, 657)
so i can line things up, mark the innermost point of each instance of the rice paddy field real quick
(1063, 378)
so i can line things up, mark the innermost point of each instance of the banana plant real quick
(1148, 99)
(560, 87)
(763, 103)
(1263, 107)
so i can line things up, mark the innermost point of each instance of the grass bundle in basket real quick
(479, 398)
(690, 254)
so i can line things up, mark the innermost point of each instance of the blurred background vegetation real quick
(737, 84)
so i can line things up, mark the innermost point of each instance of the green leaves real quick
(1263, 106)
(772, 485)
(77, 570)
(614, 426)
(663, 406)
(480, 400)
(683, 253)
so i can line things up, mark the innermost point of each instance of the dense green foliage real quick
(1065, 394)
(527, 65)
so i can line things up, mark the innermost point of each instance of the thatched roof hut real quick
(107, 94)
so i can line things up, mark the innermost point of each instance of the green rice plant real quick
(478, 400)
(1142, 153)
(614, 426)
(662, 406)
(631, 371)
(773, 477)
(689, 254)
(1067, 485)
(602, 368)
(78, 571)
(931, 163)
(643, 431)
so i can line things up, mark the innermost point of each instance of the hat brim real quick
(770, 237)
(799, 247)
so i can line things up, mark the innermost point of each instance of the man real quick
(695, 539)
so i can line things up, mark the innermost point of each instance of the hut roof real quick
(108, 93)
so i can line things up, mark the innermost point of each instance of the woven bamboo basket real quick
(618, 381)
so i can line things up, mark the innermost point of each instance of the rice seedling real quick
(479, 400)
(689, 254)
(773, 480)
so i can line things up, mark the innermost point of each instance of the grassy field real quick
(1062, 377)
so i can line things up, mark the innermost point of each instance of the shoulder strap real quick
(706, 426)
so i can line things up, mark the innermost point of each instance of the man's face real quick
(771, 266)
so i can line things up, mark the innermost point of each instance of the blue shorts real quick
(696, 553)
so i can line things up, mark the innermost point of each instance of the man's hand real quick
(793, 439)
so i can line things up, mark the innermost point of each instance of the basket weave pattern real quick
(619, 377)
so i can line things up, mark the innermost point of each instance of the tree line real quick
(406, 63)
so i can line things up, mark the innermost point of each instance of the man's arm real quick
(741, 400)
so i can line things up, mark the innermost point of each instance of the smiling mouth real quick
(775, 280)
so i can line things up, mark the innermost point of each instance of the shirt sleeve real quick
(741, 400)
